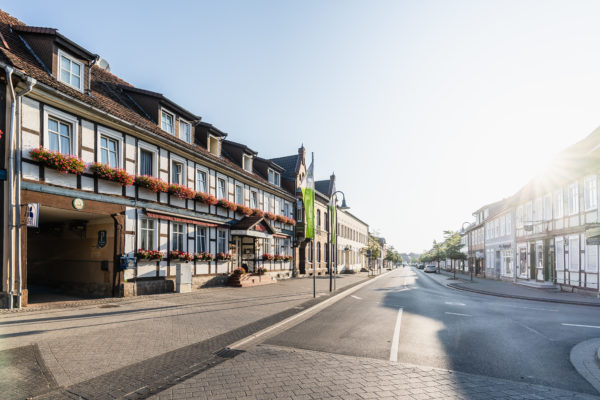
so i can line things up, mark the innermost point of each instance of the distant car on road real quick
(430, 268)
(421, 266)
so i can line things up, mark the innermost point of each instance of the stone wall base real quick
(143, 287)
(199, 282)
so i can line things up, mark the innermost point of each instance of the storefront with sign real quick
(70, 247)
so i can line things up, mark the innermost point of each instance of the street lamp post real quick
(333, 205)
(470, 266)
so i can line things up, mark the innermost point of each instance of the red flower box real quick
(183, 192)
(258, 212)
(117, 175)
(267, 257)
(247, 211)
(223, 256)
(239, 271)
(204, 256)
(227, 204)
(151, 183)
(270, 215)
(180, 255)
(291, 221)
(281, 218)
(63, 163)
(152, 255)
(206, 198)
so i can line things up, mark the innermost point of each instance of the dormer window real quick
(214, 145)
(274, 177)
(185, 131)
(247, 161)
(71, 71)
(168, 122)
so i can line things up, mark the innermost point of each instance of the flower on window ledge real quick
(247, 211)
(267, 257)
(227, 204)
(142, 254)
(117, 175)
(224, 256)
(181, 191)
(151, 183)
(206, 198)
(180, 255)
(271, 216)
(63, 163)
(258, 212)
(204, 256)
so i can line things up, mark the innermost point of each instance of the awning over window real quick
(183, 219)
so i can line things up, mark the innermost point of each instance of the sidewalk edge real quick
(583, 357)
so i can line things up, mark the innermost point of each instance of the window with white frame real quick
(247, 161)
(221, 241)
(277, 206)
(519, 217)
(574, 253)
(274, 177)
(299, 211)
(109, 150)
(502, 226)
(573, 198)
(221, 189)
(265, 202)
(590, 192)
(177, 172)
(537, 210)
(239, 195)
(286, 209)
(185, 131)
(548, 207)
(558, 204)
(201, 181)
(60, 135)
(214, 145)
(201, 239)
(591, 255)
(147, 234)
(177, 236)
(253, 199)
(146, 162)
(508, 225)
(71, 71)
(167, 122)
(497, 227)
(528, 213)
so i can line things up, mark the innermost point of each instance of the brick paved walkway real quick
(271, 372)
(98, 338)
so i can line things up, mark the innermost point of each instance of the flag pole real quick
(314, 252)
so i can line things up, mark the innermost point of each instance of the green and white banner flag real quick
(332, 215)
(308, 198)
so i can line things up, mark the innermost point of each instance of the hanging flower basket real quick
(291, 221)
(151, 183)
(223, 256)
(281, 218)
(180, 255)
(152, 255)
(117, 175)
(258, 212)
(206, 198)
(183, 192)
(227, 204)
(270, 215)
(204, 256)
(63, 163)
(247, 211)
(267, 257)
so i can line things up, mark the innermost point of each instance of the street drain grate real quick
(228, 353)
(109, 306)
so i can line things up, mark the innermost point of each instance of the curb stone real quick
(584, 357)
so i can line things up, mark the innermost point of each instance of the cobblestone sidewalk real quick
(272, 372)
(79, 344)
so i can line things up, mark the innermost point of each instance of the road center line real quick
(455, 304)
(356, 297)
(583, 326)
(396, 337)
(455, 313)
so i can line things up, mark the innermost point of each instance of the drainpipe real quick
(10, 173)
(19, 262)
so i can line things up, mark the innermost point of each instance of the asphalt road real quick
(432, 325)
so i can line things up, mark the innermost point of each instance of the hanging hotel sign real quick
(33, 215)
(101, 238)
(78, 204)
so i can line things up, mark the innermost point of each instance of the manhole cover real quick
(109, 306)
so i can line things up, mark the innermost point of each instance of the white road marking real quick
(533, 330)
(356, 297)
(528, 308)
(455, 313)
(455, 304)
(583, 326)
(396, 337)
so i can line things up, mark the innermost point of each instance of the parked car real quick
(430, 268)
(421, 266)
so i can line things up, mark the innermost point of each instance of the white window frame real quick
(240, 199)
(247, 159)
(226, 247)
(205, 172)
(253, 199)
(225, 188)
(548, 207)
(50, 112)
(113, 135)
(183, 236)
(141, 232)
(184, 122)
(274, 177)
(209, 140)
(62, 54)
(201, 238)
(154, 151)
(573, 201)
(559, 211)
(162, 112)
(520, 215)
(590, 194)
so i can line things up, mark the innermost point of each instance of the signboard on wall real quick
(33, 215)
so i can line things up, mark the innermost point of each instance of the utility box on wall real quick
(183, 280)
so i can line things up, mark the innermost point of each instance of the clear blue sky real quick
(425, 110)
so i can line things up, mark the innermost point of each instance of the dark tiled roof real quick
(322, 186)
(105, 93)
(248, 222)
(288, 163)
(35, 29)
